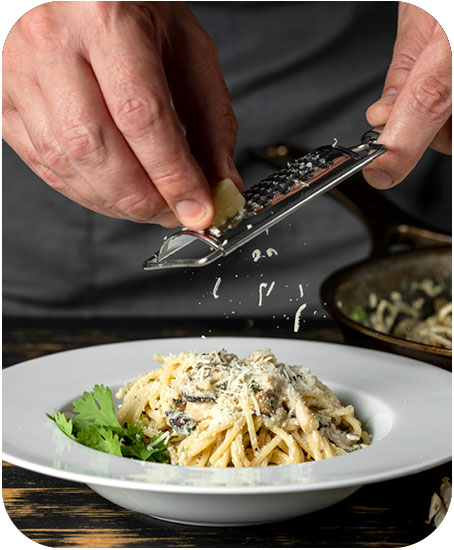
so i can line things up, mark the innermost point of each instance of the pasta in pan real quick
(422, 314)
(217, 410)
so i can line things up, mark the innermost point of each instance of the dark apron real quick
(300, 72)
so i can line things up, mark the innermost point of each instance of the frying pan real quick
(429, 257)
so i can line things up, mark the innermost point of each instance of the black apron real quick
(299, 72)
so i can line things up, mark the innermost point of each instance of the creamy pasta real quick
(423, 314)
(218, 410)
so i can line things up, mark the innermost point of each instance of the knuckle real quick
(52, 157)
(139, 205)
(8, 108)
(53, 180)
(83, 143)
(135, 115)
(169, 184)
(32, 158)
(44, 171)
(41, 28)
(432, 96)
(402, 61)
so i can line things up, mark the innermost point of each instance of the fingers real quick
(70, 163)
(17, 137)
(420, 110)
(415, 28)
(91, 142)
(68, 185)
(119, 148)
(203, 103)
(28, 131)
(130, 75)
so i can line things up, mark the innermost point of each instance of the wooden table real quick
(60, 513)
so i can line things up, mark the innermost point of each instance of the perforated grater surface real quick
(269, 202)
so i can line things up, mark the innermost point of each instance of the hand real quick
(415, 108)
(87, 99)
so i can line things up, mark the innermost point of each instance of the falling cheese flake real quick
(296, 325)
(256, 255)
(262, 286)
(270, 289)
(300, 286)
(271, 252)
(216, 287)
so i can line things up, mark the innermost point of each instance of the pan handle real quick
(388, 225)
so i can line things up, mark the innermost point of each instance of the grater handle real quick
(368, 142)
(370, 137)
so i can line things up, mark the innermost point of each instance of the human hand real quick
(87, 92)
(415, 107)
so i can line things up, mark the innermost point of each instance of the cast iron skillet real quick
(385, 270)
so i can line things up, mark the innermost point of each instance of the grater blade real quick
(268, 202)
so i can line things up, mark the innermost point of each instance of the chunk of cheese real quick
(228, 202)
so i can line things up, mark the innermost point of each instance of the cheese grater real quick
(268, 202)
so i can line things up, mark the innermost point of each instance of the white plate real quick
(405, 403)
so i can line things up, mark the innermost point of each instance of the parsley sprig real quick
(95, 425)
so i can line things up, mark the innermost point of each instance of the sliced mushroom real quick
(268, 402)
(198, 398)
(181, 422)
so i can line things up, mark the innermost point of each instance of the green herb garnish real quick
(253, 385)
(95, 425)
(359, 315)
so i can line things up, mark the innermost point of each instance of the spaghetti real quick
(217, 410)
(423, 315)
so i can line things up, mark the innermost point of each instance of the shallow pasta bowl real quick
(406, 405)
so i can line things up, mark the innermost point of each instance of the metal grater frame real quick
(270, 201)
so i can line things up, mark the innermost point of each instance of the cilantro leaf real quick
(101, 439)
(134, 445)
(96, 407)
(95, 425)
(65, 424)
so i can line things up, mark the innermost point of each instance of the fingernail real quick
(388, 97)
(378, 178)
(190, 211)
